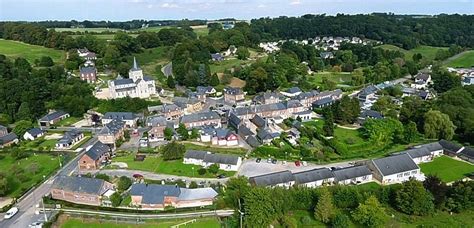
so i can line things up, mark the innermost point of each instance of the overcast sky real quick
(120, 10)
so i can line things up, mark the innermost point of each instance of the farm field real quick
(428, 52)
(79, 223)
(200, 30)
(446, 168)
(15, 49)
(464, 60)
(154, 163)
(96, 30)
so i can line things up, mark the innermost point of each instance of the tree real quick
(346, 110)
(214, 168)
(438, 125)
(444, 80)
(202, 171)
(102, 176)
(172, 151)
(410, 132)
(340, 220)
(168, 133)
(193, 184)
(328, 84)
(381, 131)
(170, 82)
(214, 80)
(4, 185)
(328, 127)
(183, 132)
(237, 188)
(21, 127)
(461, 196)
(45, 61)
(24, 112)
(413, 199)
(437, 188)
(370, 213)
(324, 210)
(116, 199)
(124, 183)
(194, 134)
(242, 53)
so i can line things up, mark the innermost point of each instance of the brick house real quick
(88, 74)
(95, 157)
(112, 132)
(201, 119)
(170, 111)
(80, 190)
(233, 95)
(158, 125)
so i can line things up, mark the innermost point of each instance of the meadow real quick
(447, 169)
(428, 52)
(80, 223)
(15, 49)
(464, 60)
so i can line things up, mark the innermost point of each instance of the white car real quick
(10, 213)
(305, 163)
(36, 225)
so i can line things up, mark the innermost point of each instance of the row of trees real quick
(337, 205)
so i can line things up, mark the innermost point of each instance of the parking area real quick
(251, 168)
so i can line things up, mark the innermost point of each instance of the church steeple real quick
(135, 65)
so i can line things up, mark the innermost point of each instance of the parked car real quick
(298, 163)
(305, 163)
(258, 160)
(10, 213)
(283, 162)
(269, 160)
(333, 168)
(36, 225)
(274, 161)
(220, 176)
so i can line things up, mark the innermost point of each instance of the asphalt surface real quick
(27, 205)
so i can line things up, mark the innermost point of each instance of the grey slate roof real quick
(156, 121)
(88, 70)
(80, 185)
(197, 193)
(323, 101)
(212, 158)
(234, 120)
(260, 108)
(154, 193)
(123, 81)
(164, 108)
(272, 179)
(69, 136)
(244, 131)
(351, 172)
(294, 90)
(119, 115)
(313, 175)
(200, 116)
(112, 127)
(371, 114)
(35, 132)
(8, 138)
(258, 121)
(467, 152)
(395, 164)
(449, 146)
(97, 150)
(196, 154)
(253, 142)
(53, 115)
(3, 127)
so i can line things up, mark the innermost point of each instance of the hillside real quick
(428, 52)
(14, 49)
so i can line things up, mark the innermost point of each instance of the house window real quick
(413, 172)
(400, 175)
(407, 174)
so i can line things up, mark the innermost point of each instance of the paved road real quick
(167, 69)
(27, 205)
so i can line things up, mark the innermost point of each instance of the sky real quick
(121, 10)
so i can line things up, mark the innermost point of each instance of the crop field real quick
(15, 49)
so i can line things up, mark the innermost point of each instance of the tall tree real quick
(438, 125)
(413, 199)
(370, 213)
(324, 210)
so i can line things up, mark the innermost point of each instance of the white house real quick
(129, 118)
(69, 139)
(352, 175)
(206, 159)
(33, 134)
(283, 179)
(422, 80)
(424, 153)
(314, 178)
(395, 169)
(136, 85)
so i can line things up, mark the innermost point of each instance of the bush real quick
(214, 168)
(116, 199)
(306, 220)
(193, 184)
(289, 222)
(340, 220)
(124, 183)
(202, 171)
(102, 176)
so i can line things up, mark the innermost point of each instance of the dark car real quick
(220, 176)
(258, 160)
(274, 161)
(333, 168)
(298, 163)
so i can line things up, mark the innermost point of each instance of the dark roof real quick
(423, 150)
(2, 127)
(97, 150)
(351, 172)
(313, 175)
(119, 115)
(8, 138)
(233, 90)
(323, 101)
(395, 164)
(123, 81)
(80, 185)
(368, 90)
(449, 146)
(253, 142)
(35, 132)
(69, 136)
(196, 154)
(154, 193)
(272, 178)
(200, 116)
(217, 56)
(88, 70)
(234, 120)
(156, 121)
(422, 76)
(53, 115)
(221, 159)
(468, 152)
(112, 127)
(371, 114)
(294, 90)
(258, 121)
(244, 131)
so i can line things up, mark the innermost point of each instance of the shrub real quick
(340, 220)
(214, 168)
(124, 183)
(306, 220)
(202, 171)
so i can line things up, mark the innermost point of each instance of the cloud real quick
(261, 6)
(169, 5)
(295, 2)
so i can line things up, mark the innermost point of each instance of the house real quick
(33, 134)
(352, 175)
(204, 158)
(292, 92)
(369, 114)
(129, 118)
(268, 98)
(468, 80)
(8, 140)
(111, 132)
(467, 154)
(86, 54)
(326, 55)
(422, 80)
(367, 93)
(69, 139)
(233, 95)
(208, 90)
(95, 157)
(88, 74)
(278, 179)
(170, 111)
(157, 197)
(158, 125)
(395, 169)
(52, 118)
(224, 137)
(266, 137)
(314, 178)
(80, 190)
(230, 51)
(3, 130)
(200, 119)
(217, 57)
(136, 85)
(188, 104)
(425, 153)
(325, 102)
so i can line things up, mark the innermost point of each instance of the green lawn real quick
(466, 59)
(344, 78)
(201, 222)
(428, 52)
(438, 219)
(238, 151)
(15, 49)
(68, 121)
(220, 67)
(201, 31)
(20, 172)
(39, 144)
(154, 163)
(447, 169)
(92, 30)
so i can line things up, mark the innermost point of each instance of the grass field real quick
(15, 49)
(201, 222)
(238, 151)
(92, 30)
(22, 175)
(200, 30)
(447, 169)
(428, 52)
(466, 59)
(154, 163)
(68, 121)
